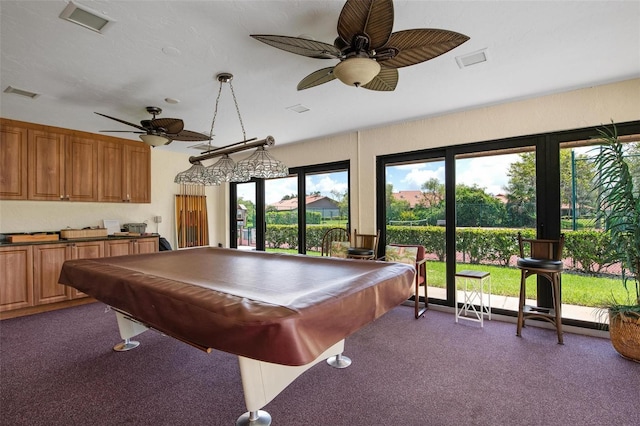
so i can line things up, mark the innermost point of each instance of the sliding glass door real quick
(539, 185)
(326, 206)
(245, 216)
(590, 276)
(415, 208)
(495, 195)
(281, 214)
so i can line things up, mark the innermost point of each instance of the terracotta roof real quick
(292, 203)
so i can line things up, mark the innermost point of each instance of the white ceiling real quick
(175, 49)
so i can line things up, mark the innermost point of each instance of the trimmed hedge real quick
(589, 250)
(286, 236)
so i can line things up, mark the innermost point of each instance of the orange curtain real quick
(191, 216)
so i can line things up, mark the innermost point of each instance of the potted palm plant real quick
(619, 211)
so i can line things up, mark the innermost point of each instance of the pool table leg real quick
(263, 381)
(254, 418)
(339, 361)
(128, 328)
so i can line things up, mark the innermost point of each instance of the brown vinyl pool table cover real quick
(284, 309)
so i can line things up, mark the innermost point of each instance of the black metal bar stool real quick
(545, 259)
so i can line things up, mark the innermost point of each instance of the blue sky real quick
(487, 172)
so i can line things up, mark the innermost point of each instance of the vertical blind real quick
(191, 216)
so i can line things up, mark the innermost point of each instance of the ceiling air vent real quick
(20, 92)
(472, 58)
(85, 17)
(299, 108)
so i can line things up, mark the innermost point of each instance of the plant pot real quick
(624, 329)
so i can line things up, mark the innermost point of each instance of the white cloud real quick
(277, 188)
(489, 173)
(326, 184)
(411, 176)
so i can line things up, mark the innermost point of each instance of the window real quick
(278, 221)
(536, 184)
(415, 209)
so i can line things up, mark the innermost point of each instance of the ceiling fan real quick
(369, 52)
(160, 131)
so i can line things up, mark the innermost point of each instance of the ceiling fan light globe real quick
(356, 71)
(154, 140)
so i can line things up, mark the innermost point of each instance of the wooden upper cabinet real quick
(13, 163)
(137, 171)
(46, 154)
(62, 167)
(111, 166)
(125, 172)
(50, 163)
(81, 169)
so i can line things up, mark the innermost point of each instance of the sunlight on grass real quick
(582, 290)
(577, 289)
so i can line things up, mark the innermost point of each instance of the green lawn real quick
(577, 289)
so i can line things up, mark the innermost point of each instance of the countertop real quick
(5, 243)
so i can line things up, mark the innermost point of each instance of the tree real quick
(575, 177)
(251, 211)
(342, 198)
(394, 207)
(521, 192)
(580, 182)
(433, 192)
(474, 207)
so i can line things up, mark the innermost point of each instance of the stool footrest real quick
(535, 310)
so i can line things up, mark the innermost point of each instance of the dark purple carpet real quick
(58, 368)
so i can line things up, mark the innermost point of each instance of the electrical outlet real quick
(157, 219)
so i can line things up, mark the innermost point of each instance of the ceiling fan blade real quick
(371, 17)
(300, 46)
(170, 125)
(189, 136)
(385, 81)
(316, 78)
(420, 45)
(124, 122)
(123, 131)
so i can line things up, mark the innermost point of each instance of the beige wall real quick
(594, 106)
(619, 102)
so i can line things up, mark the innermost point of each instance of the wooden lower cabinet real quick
(85, 250)
(16, 277)
(131, 246)
(47, 263)
(29, 273)
(118, 248)
(147, 245)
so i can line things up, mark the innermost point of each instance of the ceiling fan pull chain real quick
(244, 135)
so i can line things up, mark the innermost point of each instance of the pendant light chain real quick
(259, 165)
(244, 135)
(215, 113)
